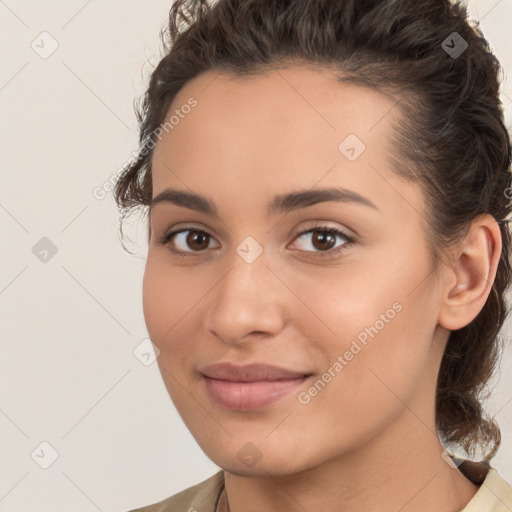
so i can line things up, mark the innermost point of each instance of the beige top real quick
(494, 495)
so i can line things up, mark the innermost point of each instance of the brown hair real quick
(451, 140)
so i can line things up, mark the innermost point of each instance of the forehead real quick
(263, 132)
(283, 97)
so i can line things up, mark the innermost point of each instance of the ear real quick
(469, 278)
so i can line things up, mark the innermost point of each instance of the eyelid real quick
(315, 226)
(335, 231)
(319, 224)
(180, 227)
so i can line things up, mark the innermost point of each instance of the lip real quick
(250, 387)
(249, 372)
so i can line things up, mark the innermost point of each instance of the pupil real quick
(194, 235)
(323, 237)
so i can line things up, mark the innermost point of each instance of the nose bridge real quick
(247, 262)
(247, 298)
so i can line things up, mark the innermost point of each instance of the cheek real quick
(169, 297)
(154, 302)
(174, 307)
(379, 319)
(371, 374)
(165, 306)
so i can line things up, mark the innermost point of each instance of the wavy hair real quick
(451, 139)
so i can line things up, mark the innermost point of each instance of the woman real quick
(328, 192)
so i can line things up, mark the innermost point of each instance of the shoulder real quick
(494, 494)
(200, 497)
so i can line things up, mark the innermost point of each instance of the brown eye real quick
(197, 240)
(322, 239)
(187, 241)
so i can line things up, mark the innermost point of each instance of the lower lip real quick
(250, 396)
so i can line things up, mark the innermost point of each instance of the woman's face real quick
(352, 316)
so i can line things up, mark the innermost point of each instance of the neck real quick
(383, 475)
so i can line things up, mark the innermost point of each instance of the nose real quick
(249, 301)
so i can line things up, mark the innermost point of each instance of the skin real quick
(367, 441)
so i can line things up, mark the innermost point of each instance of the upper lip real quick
(250, 372)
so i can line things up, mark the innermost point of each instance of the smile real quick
(249, 396)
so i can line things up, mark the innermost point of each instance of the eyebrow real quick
(282, 203)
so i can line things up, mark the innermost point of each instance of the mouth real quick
(250, 387)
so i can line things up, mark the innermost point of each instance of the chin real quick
(277, 465)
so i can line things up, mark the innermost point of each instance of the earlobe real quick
(470, 278)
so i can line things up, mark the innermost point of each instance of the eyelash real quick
(319, 254)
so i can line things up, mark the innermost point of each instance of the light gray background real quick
(69, 325)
